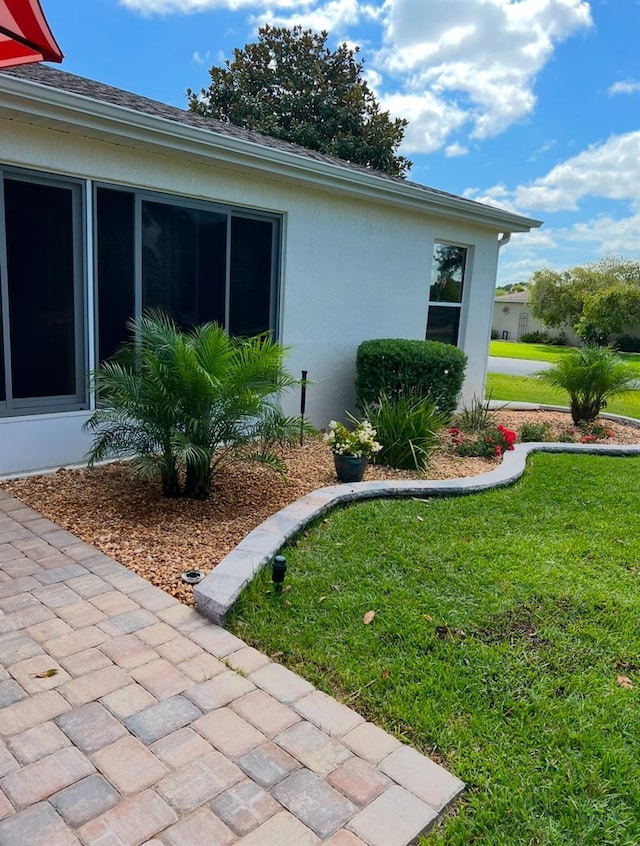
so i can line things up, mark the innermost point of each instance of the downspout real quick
(504, 239)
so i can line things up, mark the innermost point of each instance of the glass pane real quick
(251, 254)
(116, 268)
(40, 277)
(3, 389)
(443, 324)
(447, 273)
(184, 262)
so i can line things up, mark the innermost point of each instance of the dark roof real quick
(84, 87)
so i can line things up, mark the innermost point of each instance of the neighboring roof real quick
(516, 297)
(86, 105)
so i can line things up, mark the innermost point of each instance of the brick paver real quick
(91, 727)
(161, 719)
(158, 728)
(38, 780)
(321, 808)
(228, 732)
(245, 806)
(37, 743)
(265, 712)
(313, 748)
(203, 828)
(85, 800)
(198, 782)
(129, 765)
(393, 819)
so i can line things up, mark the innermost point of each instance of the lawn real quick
(545, 352)
(505, 643)
(530, 389)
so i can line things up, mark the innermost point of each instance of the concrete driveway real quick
(516, 366)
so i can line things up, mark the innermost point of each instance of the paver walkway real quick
(160, 728)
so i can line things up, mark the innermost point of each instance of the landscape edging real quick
(219, 590)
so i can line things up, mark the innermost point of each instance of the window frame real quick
(461, 305)
(142, 195)
(78, 401)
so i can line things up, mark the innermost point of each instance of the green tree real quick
(290, 85)
(596, 300)
(591, 376)
(187, 402)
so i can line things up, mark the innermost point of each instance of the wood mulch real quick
(159, 538)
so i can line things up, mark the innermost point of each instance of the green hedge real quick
(398, 367)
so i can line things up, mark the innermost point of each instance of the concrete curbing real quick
(217, 592)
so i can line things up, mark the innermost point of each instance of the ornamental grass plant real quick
(408, 428)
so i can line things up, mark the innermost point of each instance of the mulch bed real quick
(159, 538)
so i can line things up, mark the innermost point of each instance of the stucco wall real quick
(351, 270)
(508, 320)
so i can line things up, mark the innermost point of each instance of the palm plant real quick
(591, 375)
(189, 401)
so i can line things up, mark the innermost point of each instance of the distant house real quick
(512, 318)
(111, 203)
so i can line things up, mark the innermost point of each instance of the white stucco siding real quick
(351, 270)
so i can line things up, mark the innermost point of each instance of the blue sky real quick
(532, 105)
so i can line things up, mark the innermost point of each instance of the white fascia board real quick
(44, 105)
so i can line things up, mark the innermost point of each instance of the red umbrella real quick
(25, 35)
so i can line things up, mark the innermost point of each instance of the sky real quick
(530, 105)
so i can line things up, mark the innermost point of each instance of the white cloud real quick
(624, 87)
(200, 59)
(334, 16)
(455, 149)
(431, 120)
(467, 61)
(166, 7)
(485, 66)
(563, 247)
(609, 170)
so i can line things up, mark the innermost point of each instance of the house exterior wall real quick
(351, 270)
(506, 318)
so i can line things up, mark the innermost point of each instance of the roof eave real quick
(44, 105)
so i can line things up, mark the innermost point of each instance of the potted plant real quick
(352, 448)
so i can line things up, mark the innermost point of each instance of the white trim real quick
(44, 105)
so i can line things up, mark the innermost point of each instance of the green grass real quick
(502, 622)
(529, 389)
(545, 352)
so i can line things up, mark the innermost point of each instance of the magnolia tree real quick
(290, 85)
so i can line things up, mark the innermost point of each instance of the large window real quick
(195, 261)
(445, 293)
(41, 329)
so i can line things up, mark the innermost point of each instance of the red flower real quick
(588, 439)
(497, 451)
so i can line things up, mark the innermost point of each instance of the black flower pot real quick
(349, 468)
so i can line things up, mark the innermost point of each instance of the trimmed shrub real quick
(539, 337)
(398, 367)
(494, 334)
(627, 343)
(407, 428)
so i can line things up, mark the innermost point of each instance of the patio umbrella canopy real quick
(25, 35)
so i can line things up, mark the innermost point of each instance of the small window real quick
(445, 293)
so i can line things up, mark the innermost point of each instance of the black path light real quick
(278, 571)
(303, 402)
